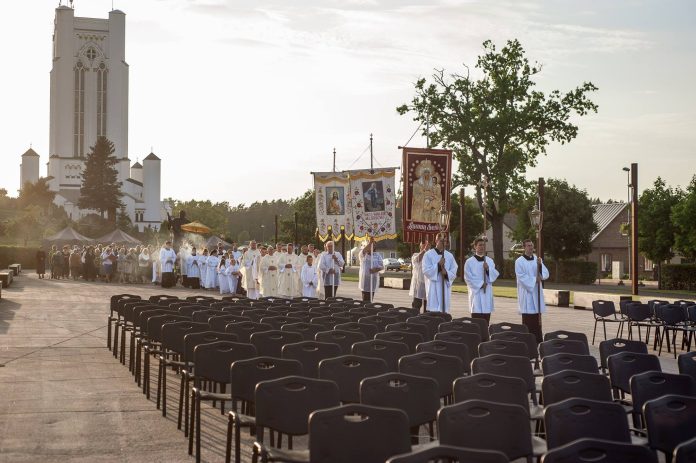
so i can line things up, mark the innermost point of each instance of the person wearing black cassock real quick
(175, 226)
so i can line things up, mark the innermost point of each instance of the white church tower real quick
(29, 169)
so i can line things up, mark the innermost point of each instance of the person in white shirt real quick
(531, 272)
(439, 270)
(203, 264)
(211, 270)
(480, 274)
(233, 275)
(249, 266)
(371, 263)
(417, 289)
(330, 265)
(222, 276)
(167, 259)
(193, 270)
(309, 278)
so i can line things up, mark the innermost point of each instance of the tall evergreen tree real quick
(100, 187)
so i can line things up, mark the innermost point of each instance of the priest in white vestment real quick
(480, 274)
(309, 278)
(288, 281)
(330, 264)
(269, 274)
(249, 266)
(193, 269)
(371, 263)
(417, 289)
(211, 272)
(302, 259)
(439, 270)
(167, 259)
(531, 272)
(222, 276)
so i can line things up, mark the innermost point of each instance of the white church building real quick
(89, 98)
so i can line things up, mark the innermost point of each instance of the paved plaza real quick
(66, 398)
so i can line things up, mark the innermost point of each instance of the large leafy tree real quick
(36, 194)
(100, 186)
(568, 223)
(684, 219)
(305, 207)
(498, 124)
(656, 231)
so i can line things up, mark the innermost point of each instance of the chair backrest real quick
(442, 368)
(528, 339)
(347, 371)
(670, 314)
(218, 323)
(404, 312)
(558, 362)
(378, 305)
(565, 335)
(603, 309)
(244, 330)
(206, 337)
(685, 452)
(431, 322)
(568, 384)
(481, 322)
(471, 340)
(213, 360)
(506, 326)
(114, 300)
(457, 325)
(653, 384)
(456, 349)
(270, 343)
(638, 312)
(486, 425)
(256, 314)
(309, 354)
(388, 351)
(599, 451)
(277, 321)
(154, 324)
(407, 327)
(357, 433)
(206, 314)
(653, 303)
(563, 346)
(141, 315)
(410, 339)
(380, 322)
(506, 365)
(284, 404)
(246, 374)
(417, 396)
(578, 418)
(497, 346)
(173, 334)
(614, 346)
(188, 309)
(450, 454)
(368, 330)
(691, 313)
(493, 388)
(626, 364)
(344, 339)
(200, 298)
(670, 420)
(443, 316)
(329, 321)
(687, 364)
(307, 330)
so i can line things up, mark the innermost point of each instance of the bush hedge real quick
(568, 271)
(17, 255)
(679, 277)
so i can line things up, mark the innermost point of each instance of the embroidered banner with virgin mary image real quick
(374, 203)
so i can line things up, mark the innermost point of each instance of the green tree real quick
(100, 187)
(36, 194)
(497, 125)
(27, 225)
(243, 237)
(473, 222)
(684, 220)
(305, 208)
(123, 222)
(655, 228)
(568, 223)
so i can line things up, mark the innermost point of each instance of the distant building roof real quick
(151, 157)
(71, 195)
(134, 181)
(604, 214)
(137, 165)
(30, 152)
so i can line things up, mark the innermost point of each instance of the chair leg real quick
(123, 344)
(181, 401)
(198, 430)
(237, 444)
(594, 331)
(228, 441)
(187, 398)
(191, 425)
(114, 350)
(223, 388)
(109, 321)
(131, 352)
(604, 325)
(164, 390)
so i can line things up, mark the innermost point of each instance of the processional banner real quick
(333, 205)
(373, 200)
(427, 179)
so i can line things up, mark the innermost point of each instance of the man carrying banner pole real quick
(439, 270)
(370, 266)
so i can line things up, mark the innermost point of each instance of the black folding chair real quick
(670, 421)
(309, 354)
(605, 312)
(558, 362)
(388, 351)
(599, 451)
(614, 346)
(450, 454)
(347, 371)
(442, 368)
(270, 343)
(568, 384)
(344, 339)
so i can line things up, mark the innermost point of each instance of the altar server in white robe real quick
(309, 278)
(417, 289)
(222, 276)
(193, 269)
(251, 272)
(211, 265)
(288, 268)
(371, 263)
(320, 276)
(330, 265)
(233, 274)
(439, 267)
(480, 274)
(203, 264)
(269, 273)
(301, 260)
(531, 272)
(167, 259)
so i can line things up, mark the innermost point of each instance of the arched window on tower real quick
(79, 111)
(101, 99)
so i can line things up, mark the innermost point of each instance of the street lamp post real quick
(628, 220)
(536, 218)
(262, 233)
(444, 226)
(343, 247)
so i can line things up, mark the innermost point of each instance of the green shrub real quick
(679, 277)
(17, 255)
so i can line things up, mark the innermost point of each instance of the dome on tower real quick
(137, 165)
(30, 152)
(151, 157)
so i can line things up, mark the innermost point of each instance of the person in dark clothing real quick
(41, 262)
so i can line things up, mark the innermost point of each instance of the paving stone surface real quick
(66, 398)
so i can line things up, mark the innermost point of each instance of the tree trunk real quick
(498, 252)
(659, 274)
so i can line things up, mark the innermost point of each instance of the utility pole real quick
(634, 229)
(462, 243)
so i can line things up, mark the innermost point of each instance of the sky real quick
(242, 99)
